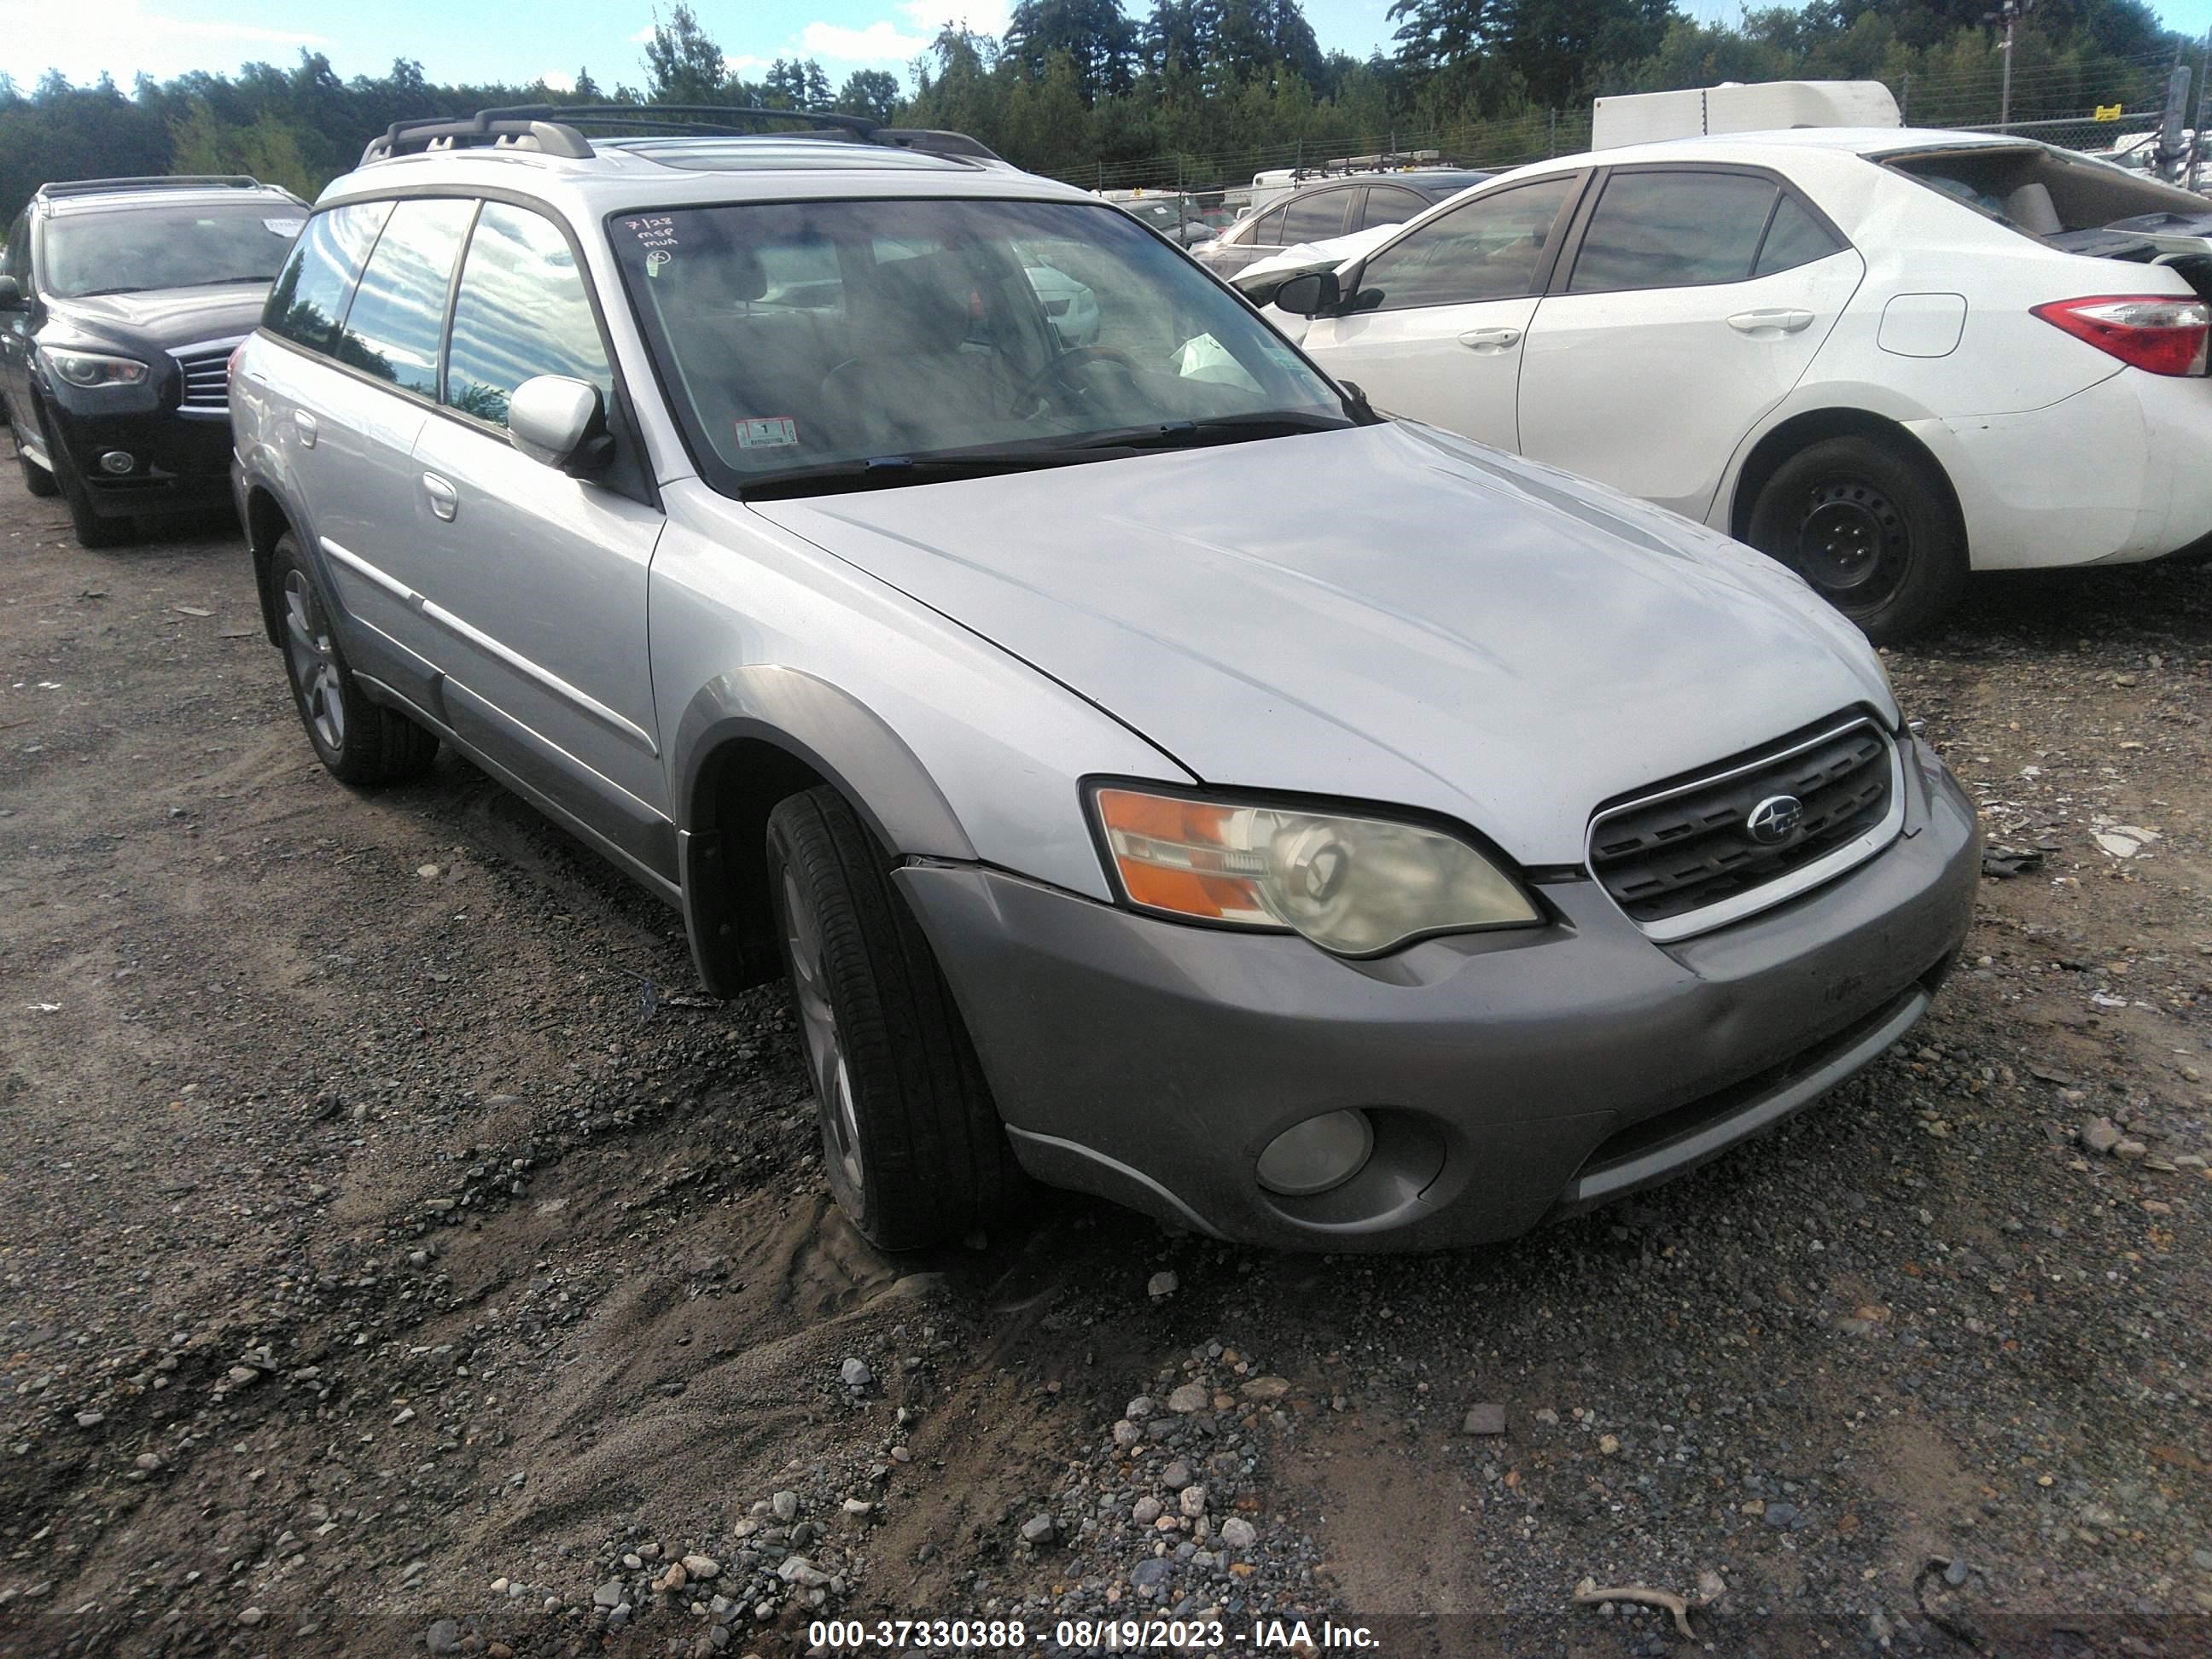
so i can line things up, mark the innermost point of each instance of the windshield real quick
(147, 247)
(807, 338)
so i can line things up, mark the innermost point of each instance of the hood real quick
(1383, 613)
(167, 318)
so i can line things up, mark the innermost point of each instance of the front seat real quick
(911, 383)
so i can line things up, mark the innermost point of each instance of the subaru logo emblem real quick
(1775, 819)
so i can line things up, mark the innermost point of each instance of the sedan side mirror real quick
(12, 295)
(1311, 294)
(560, 423)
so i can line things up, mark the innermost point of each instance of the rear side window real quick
(1389, 205)
(1673, 230)
(1266, 230)
(398, 310)
(522, 311)
(1315, 218)
(1795, 238)
(312, 291)
(1489, 249)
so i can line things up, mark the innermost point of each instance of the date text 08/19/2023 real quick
(1089, 1635)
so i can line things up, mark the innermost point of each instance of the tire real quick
(1865, 523)
(91, 529)
(36, 479)
(358, 741)
(913, 1145)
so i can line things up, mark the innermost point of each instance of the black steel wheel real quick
(1866, 524)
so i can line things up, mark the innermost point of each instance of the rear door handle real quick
(1489, 339)
(445, 499)
(1776, 321)
(307, 426)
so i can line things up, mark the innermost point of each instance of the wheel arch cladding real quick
(266, 520)
(752, 738)
(1801, 431)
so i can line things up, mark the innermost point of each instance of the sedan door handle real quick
(307, 426)
(1777, 321)
(445, 499)
(1489, 339)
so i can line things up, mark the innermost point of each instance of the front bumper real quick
(1507, 1076)
(182, 459)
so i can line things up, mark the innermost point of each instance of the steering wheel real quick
(1055, 372)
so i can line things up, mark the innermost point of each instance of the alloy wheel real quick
(314, 661)
(825, 1048)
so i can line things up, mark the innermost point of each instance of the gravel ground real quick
(397, 1254)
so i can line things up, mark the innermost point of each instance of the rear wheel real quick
(359, 741)
(913, 1146)
(1869, 529)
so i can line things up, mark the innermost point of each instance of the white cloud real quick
(980, 16)
(878, 43)
(124, 38)
(643, 37)
(745, 64)
(558, 80)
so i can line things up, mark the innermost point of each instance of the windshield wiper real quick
(892, 471)
(101, 293)
(1217, 430)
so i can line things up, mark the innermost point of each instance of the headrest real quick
(922, 304)
(710, 278)
(2030, 207)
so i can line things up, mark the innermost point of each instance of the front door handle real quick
(1489, 339)
(445, 499)
(1775, 322)
(307, 426)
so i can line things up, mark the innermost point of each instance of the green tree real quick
(872, 93)
(685, 66)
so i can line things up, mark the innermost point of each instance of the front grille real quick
(206, 372)
(1687, 845)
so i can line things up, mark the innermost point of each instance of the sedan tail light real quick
(2160, 332)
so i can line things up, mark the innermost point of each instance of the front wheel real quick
(91, 529)
(36, 479)
(1875, 536)
(913, 1146)
(358, 741)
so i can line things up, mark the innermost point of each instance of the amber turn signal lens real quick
(1358, 886)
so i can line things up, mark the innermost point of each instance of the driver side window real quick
(1490, 249)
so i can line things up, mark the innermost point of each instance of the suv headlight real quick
(90, 369)
(1357, 886)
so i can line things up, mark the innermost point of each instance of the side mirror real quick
(560, 423)
(12, 295)
(1311, 295)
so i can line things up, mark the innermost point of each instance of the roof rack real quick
(154, 181)
(556, 129)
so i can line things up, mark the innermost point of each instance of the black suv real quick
(120, 302)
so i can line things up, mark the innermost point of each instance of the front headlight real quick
(1357, 886)
(91, 370)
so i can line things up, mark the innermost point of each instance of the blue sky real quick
(517, 40)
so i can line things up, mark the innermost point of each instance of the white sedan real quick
(1884, 357)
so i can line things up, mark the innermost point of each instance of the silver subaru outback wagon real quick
(1156, 773)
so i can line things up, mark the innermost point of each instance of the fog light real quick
(1320, 1153)
(117, 461)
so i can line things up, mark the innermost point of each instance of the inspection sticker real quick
(767, 431)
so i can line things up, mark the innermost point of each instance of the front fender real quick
(747, 739)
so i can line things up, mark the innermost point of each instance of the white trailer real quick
(1643, 118)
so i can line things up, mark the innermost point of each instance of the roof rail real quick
(556, 129)
(154, 181)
